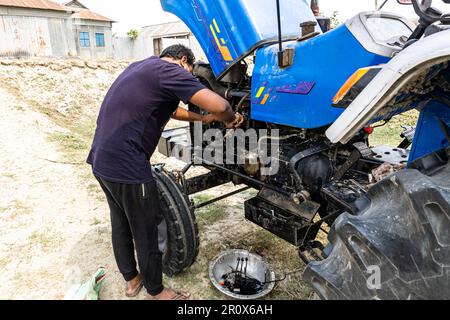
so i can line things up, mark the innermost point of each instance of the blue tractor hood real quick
(229, 30)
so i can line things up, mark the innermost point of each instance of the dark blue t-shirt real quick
(133, 115)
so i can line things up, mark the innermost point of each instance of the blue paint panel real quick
(327, 60)
(429, 136)
(240, 23)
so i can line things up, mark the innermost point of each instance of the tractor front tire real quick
(182, 230)
(398, 247)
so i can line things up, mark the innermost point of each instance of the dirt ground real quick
(54, 221)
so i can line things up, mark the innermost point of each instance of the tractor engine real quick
(310, 98)
(298, 173)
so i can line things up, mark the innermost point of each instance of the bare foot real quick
(134, 286)
(170, 294)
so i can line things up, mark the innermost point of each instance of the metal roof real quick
(50, 5)
(89, 15)
(170, 29)
(76, 4)
(34, 4)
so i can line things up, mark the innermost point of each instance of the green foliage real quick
(335, 22)
(133, 34)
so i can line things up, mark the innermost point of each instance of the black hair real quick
(177, 52)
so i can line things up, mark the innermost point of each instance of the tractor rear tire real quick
(182, 230)
(402, 238)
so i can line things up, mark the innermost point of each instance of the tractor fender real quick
(393, 77)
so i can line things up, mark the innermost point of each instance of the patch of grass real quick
(75, 144)
(249, 193)
(283, 257)
(100, 197)
(73, 147)
(15, 209)
(386, 136)
(20, 207)
(50, 84)
(202, 198)
(44, 238)
(196, 279)
(96, 222)
(389, 134)
(19, 107)
(211, 213)
(4, 262)
(68, 141)
(86, 129)
(9, 175)
(93, 188)
(77, 124)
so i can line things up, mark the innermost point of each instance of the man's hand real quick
(210, 118)
(213, 103)
(236, 123)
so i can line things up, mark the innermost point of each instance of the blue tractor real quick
(317, 94)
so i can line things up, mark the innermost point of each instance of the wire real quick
(382, 125)
(284, 277)
(242, 101)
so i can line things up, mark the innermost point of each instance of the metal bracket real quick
(286, 58)
(408, 136)
(361, 151)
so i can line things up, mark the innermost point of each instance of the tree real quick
(335, 22)
(133, 34)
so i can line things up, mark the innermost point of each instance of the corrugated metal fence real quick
(29, 36)
(22, 36)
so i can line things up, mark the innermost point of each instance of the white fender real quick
(394, 75)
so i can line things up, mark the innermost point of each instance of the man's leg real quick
(122, 238)
(142, 207)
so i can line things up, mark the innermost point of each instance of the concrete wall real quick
(93, 27)
(29, 33)
(125, 48)
(142, 47)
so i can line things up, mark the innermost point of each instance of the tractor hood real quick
(230, 30)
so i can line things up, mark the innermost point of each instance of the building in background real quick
(93, 32)
(153, 39)
(42, 28)
(167, 34)
(31, 28)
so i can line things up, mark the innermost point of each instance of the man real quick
(133, 114)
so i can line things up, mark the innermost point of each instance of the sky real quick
(135, 14)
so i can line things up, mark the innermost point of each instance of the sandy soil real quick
(54, 224)
(45, 215)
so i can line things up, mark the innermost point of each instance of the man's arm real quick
(215, 104)
(182, 114)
